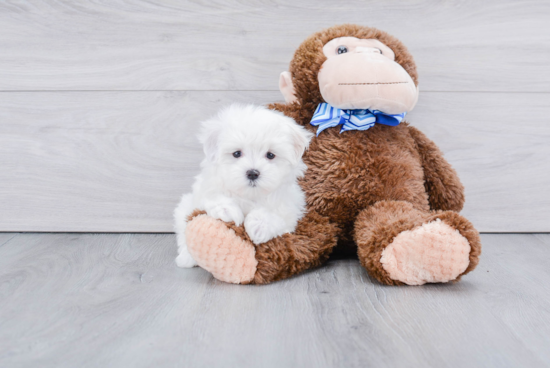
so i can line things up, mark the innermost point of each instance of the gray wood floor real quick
(118, 300)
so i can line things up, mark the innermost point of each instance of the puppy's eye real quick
(237, 154)
(270, 155)
(341, 49)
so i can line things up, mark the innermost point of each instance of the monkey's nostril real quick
(252, 174)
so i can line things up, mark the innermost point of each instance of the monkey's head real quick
(352, 67)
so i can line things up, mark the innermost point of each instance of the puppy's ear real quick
(300, 139)
(209, 137)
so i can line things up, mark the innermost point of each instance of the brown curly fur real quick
(308, 247)
(353, 173)
(365, 186)
(378, 225)
(309, 57)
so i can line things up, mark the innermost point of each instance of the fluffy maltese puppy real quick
(253, 160)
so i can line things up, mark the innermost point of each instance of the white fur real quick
(269, 206)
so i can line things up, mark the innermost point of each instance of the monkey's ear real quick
(287, 87)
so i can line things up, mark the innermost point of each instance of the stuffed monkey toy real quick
(372, 179)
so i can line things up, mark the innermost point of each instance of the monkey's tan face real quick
(362, 74)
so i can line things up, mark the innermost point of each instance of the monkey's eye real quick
(237, 154)
(270, 155)
(341, 49)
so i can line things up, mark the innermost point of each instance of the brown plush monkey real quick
(383, 186)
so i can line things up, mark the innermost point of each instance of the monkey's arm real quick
(444, 188)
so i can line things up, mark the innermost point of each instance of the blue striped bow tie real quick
(327, 116)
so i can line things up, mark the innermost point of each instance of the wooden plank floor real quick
(118, 300)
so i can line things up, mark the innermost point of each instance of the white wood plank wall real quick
(99, 101)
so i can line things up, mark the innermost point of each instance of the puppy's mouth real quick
(252, 183)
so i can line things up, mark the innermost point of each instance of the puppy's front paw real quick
(227, 212)
(261, 226)
(185, 260)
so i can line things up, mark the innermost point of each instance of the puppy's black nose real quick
(252, 174)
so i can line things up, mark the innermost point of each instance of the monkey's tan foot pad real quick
(217, 249)
(433, 252)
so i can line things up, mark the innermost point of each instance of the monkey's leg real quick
(398, 244)
(225, 250)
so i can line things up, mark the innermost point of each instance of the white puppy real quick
(253, 160)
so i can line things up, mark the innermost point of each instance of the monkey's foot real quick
(218, 249)
(432, 252)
